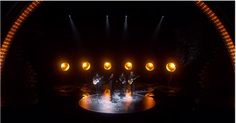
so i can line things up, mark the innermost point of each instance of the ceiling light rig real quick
(128, 66)
(65, 66)
(107, 66)
(171, 67)
(86, 66)
(149, 66)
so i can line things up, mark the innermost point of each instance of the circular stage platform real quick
(103, 104)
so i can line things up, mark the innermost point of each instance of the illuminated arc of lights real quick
(34, 4)
(220, 27)
(107, 65)
(14, 28)
(65, 66)
(86, 66)
(170, 67)
(149, 66)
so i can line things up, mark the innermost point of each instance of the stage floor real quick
(126, 104)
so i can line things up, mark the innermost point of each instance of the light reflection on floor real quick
(126, 104)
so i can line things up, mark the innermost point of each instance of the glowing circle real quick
(170, 67)
(149, 66)
(128, 66)
(107, 66)
(86, 66)
(65, 66)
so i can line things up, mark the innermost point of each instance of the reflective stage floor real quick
(126, 104)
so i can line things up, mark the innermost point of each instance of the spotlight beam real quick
(74, 29)
(125, 29)
(107, 25)
(157, 30)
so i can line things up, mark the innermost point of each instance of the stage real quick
(126, 104)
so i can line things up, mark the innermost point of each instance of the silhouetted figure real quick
(123, 82)
(97, 81)
(111, 80)
(131, 79)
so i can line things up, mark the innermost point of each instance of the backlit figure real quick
(122, 78)
(97, 79)
(132, 77)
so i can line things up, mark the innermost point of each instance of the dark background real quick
(204, 75)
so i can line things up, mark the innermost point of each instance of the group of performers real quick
(121, 84)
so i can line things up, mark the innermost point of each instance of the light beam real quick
(157, 30)
(125, 29)
(107, 25)
(75, 32)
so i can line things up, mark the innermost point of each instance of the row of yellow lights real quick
(171, 67)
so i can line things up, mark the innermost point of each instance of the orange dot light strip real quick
(34, 4)
(220, 27)
(14, 28)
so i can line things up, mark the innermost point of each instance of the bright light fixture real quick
(149, 66)
(128, 66)
(107, 65)
(65, 66)
(86, 66)
(170, 67)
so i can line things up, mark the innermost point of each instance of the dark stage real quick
(116, 61)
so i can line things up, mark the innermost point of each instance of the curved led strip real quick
(220, 27)
(34, 4)
(11, 33)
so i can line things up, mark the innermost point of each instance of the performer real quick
(97, 81)
(131, 79)
(111, 80)
(123, 82)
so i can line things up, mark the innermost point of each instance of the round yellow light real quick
(170, 67)
(128, 66)
(65, 66)
(86, 66)
(149, 66)
(107, 66)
